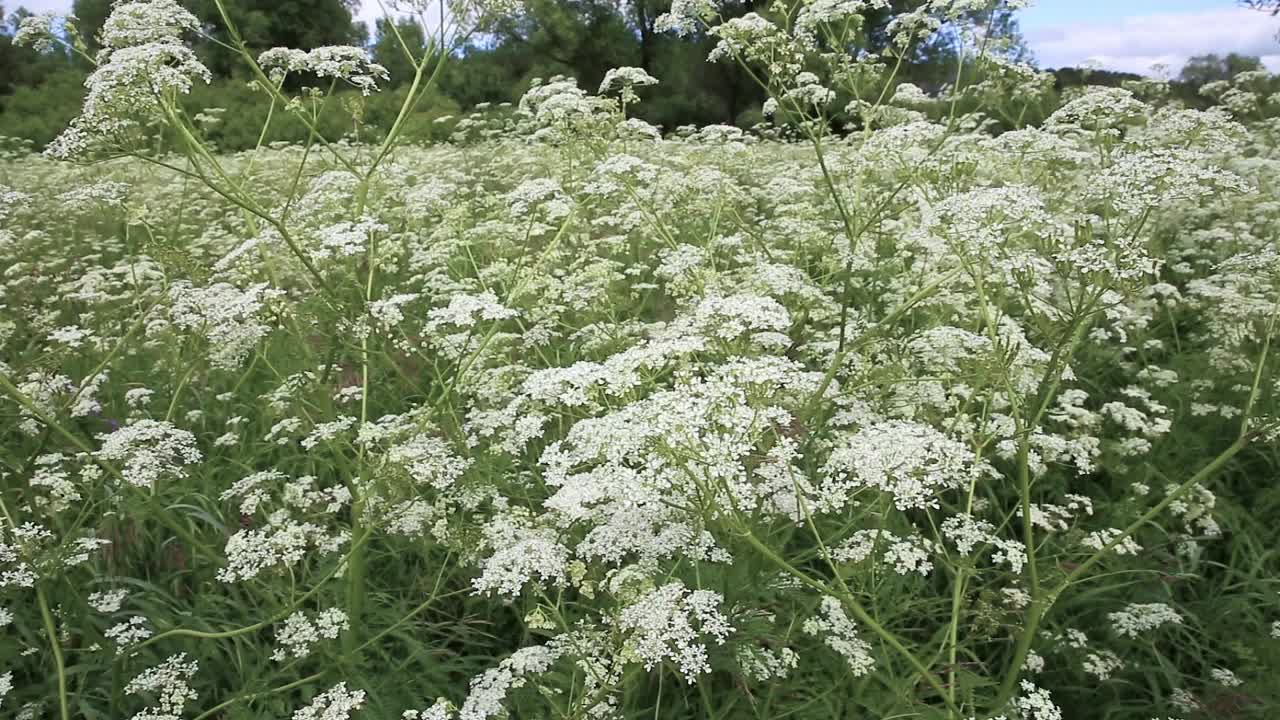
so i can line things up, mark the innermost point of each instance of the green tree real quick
(90, 16)
(24, 66)
(389, 47)
(1203, 69)
(264, 24)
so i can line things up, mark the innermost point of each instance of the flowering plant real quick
(914, 419)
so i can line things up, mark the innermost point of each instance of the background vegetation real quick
(41, 91)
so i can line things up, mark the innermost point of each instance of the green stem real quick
(862, 615)
(246, 698)
(58, 661)
(224, 634)
(1039, 608)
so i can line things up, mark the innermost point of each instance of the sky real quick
(1129, 35)
(1133, 35)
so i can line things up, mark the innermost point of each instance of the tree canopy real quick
(577, 38)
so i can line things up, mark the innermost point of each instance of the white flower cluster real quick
(838, 632)
(463, 313)
(489, 690)
(108, 601)
(336, 703)
(151, 451)
(763, 664)
(50, 474)
(1103, 664)
(624, 80)
(685, 16)
(626, 473)
(282, 542)
(301, 633)
(642, 390)
(36, 32)
(1139, 618)
(560, 109)
(344, 239)
(1035, 703)
(904, 554)
(521, 553)
(149, 21)
(52, 394)
(337, 62)
(1099, 539)
(674, 623)
(911, 462)
(143, 63)
(428, 460)
(127, 633)
(25, 545)
(230, 318)
(170, 683)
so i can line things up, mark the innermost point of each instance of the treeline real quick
(40, 91)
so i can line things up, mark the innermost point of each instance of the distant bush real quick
(39, 112)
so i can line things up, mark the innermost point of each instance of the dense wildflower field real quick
(570, 419)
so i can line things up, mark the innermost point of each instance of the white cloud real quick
(1134, 44)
